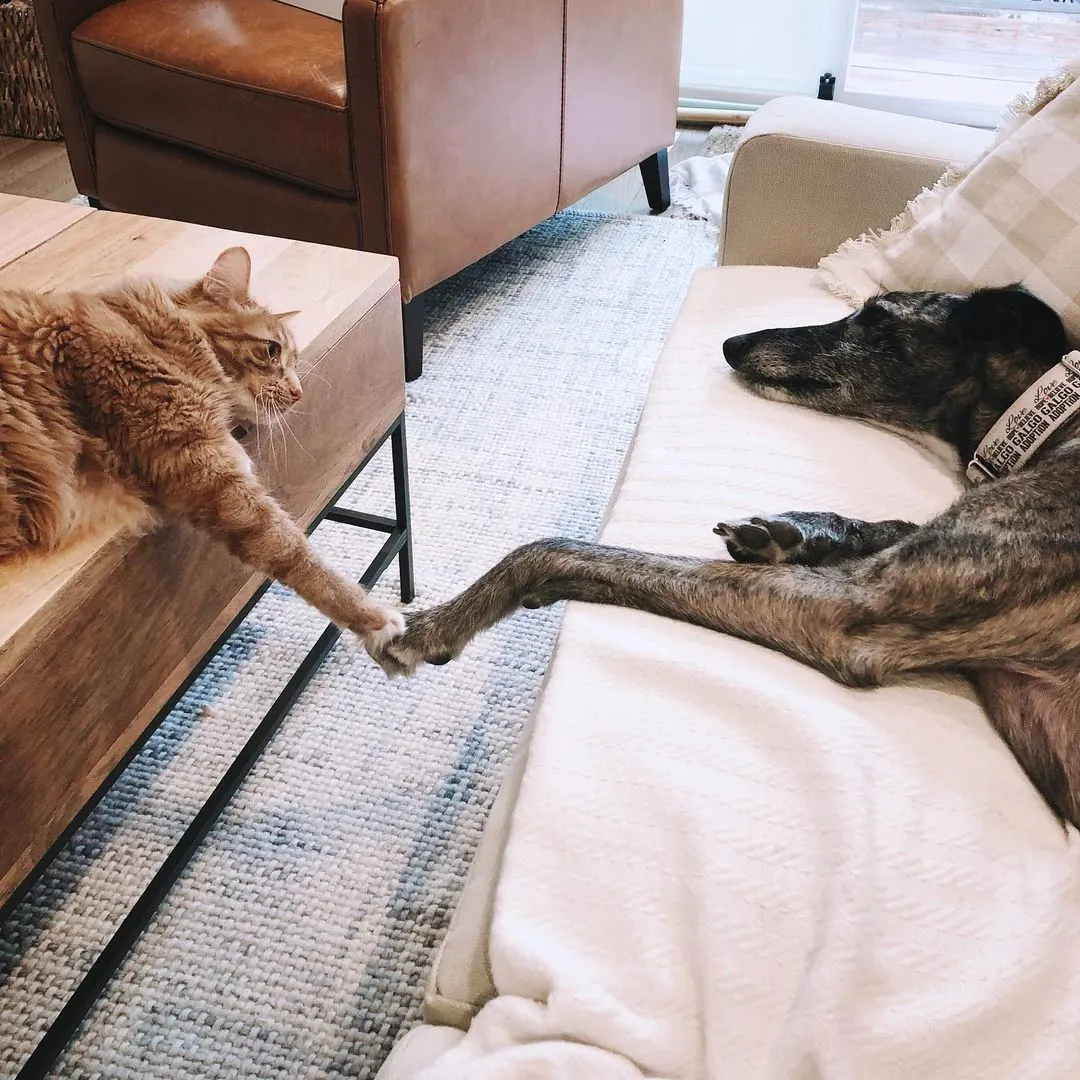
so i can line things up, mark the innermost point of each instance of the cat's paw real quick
(393, 627)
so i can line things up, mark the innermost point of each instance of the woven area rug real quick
(298, 942)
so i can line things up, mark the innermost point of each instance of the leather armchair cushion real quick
(254, 82)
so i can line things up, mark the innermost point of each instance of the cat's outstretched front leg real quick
(213, 489)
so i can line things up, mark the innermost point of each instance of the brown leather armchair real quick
(433, 130)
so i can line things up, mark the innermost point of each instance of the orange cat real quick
(140, 387)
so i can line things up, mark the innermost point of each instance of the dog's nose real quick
(736, 348)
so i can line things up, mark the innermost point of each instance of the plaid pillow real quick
(1014, 215)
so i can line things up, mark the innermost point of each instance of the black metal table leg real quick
(404, 513)
(398, 544)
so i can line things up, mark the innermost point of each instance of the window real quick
(956, 59)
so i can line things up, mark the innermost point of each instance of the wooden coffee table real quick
(98, 641)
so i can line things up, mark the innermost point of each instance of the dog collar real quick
(1039, 411)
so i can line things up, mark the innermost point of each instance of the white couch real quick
(709, 860)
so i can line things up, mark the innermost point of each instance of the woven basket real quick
(27, 105)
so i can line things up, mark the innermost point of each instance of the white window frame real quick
(734, 97)
(955, 112)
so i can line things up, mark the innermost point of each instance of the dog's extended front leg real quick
(438, 634)
(809, 537)
(803, 612)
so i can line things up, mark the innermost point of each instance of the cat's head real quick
(253, 346)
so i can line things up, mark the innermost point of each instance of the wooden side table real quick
(97, 642)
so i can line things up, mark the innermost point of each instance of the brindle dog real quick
(990, 588)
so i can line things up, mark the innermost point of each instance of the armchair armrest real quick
(810, 174)
(456, 108)
(622, 88)
(56, 20)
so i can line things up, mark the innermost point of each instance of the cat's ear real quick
(284, 315)
(229, 277)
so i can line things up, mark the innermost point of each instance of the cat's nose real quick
(295, 391)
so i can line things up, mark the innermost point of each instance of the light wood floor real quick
(40, 170)
(37, 169)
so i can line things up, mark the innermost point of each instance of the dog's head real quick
(941, 363)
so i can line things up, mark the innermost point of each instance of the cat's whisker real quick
(288, 428)
(321, 378)
(307, 370)
(267, 406)
(258, 430)
(276, 428)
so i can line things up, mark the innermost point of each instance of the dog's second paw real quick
(809, 538)
(804, 538)
(761, 540)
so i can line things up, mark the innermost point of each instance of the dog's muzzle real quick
(736, 348)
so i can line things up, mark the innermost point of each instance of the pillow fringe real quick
(858, 254)
(859, 257)
(841, 289)
(1046, 89)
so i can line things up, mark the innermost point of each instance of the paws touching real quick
(395, 658)
(400, 658)
(392, 627)
(422, 643)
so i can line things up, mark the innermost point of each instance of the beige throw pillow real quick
(1014, 215)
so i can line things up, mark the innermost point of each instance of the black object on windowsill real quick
(826, 85)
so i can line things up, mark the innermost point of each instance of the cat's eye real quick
(273, 349)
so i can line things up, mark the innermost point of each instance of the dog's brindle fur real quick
(989, 588)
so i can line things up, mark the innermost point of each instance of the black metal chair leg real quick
(412, 321)
(94, 203)
(404, 515)
(657, 180)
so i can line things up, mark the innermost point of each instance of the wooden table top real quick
(50, 246)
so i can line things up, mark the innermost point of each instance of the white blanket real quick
(698, 185)
(722, 864)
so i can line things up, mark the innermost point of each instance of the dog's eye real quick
(273, 349)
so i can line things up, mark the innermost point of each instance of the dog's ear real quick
(1006, 319)
(873, 312)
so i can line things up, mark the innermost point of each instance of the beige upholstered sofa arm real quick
(809, 174)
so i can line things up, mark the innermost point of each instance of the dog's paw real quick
(761, 540)
(395, 658)
(401, 655)
(803, 537)
(398, 658)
